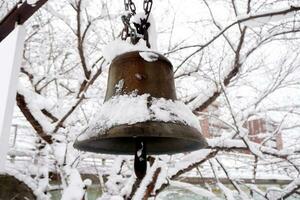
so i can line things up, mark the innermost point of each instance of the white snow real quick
(32, 2)
(270, 17)
(227, 192)
(59, 148)
(140, 151)
(87, 182)
(197, 190)
(36, 103)
(119, 86)
(126, 190)
(116, 198)
(225, 143)
(163, 175)
(76, 188)
(139, 194)
(206, 93)
(290, 187)
(149, 56)
(172, 111)
(119, 47)
(188, 160)
(131, 109)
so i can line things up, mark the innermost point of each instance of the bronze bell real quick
(143, 77)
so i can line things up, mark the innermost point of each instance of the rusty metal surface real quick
(142, 77)
(160, 138)
(155, 78)
(18, 15)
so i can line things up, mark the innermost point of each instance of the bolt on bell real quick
(141, 105)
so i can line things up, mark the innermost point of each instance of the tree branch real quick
(31, 119)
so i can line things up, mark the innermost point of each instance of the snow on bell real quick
(141, 106)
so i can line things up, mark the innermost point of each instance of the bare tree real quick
(241, 60)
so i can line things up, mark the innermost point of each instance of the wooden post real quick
(18, 15)
(11, 48)
(10, 56)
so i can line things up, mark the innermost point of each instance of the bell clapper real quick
(135, 33)
(140, 159)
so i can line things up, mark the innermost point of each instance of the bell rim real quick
(188, 141)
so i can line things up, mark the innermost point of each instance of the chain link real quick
(139, 28)
(126, 5)
(128, 31)
(129, 5)
(147, 7)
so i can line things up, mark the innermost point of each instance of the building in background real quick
(264, 132)
(260, 130)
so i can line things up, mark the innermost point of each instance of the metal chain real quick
(147, 7)
(128, 30)
(139, 28)
(130, 5)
